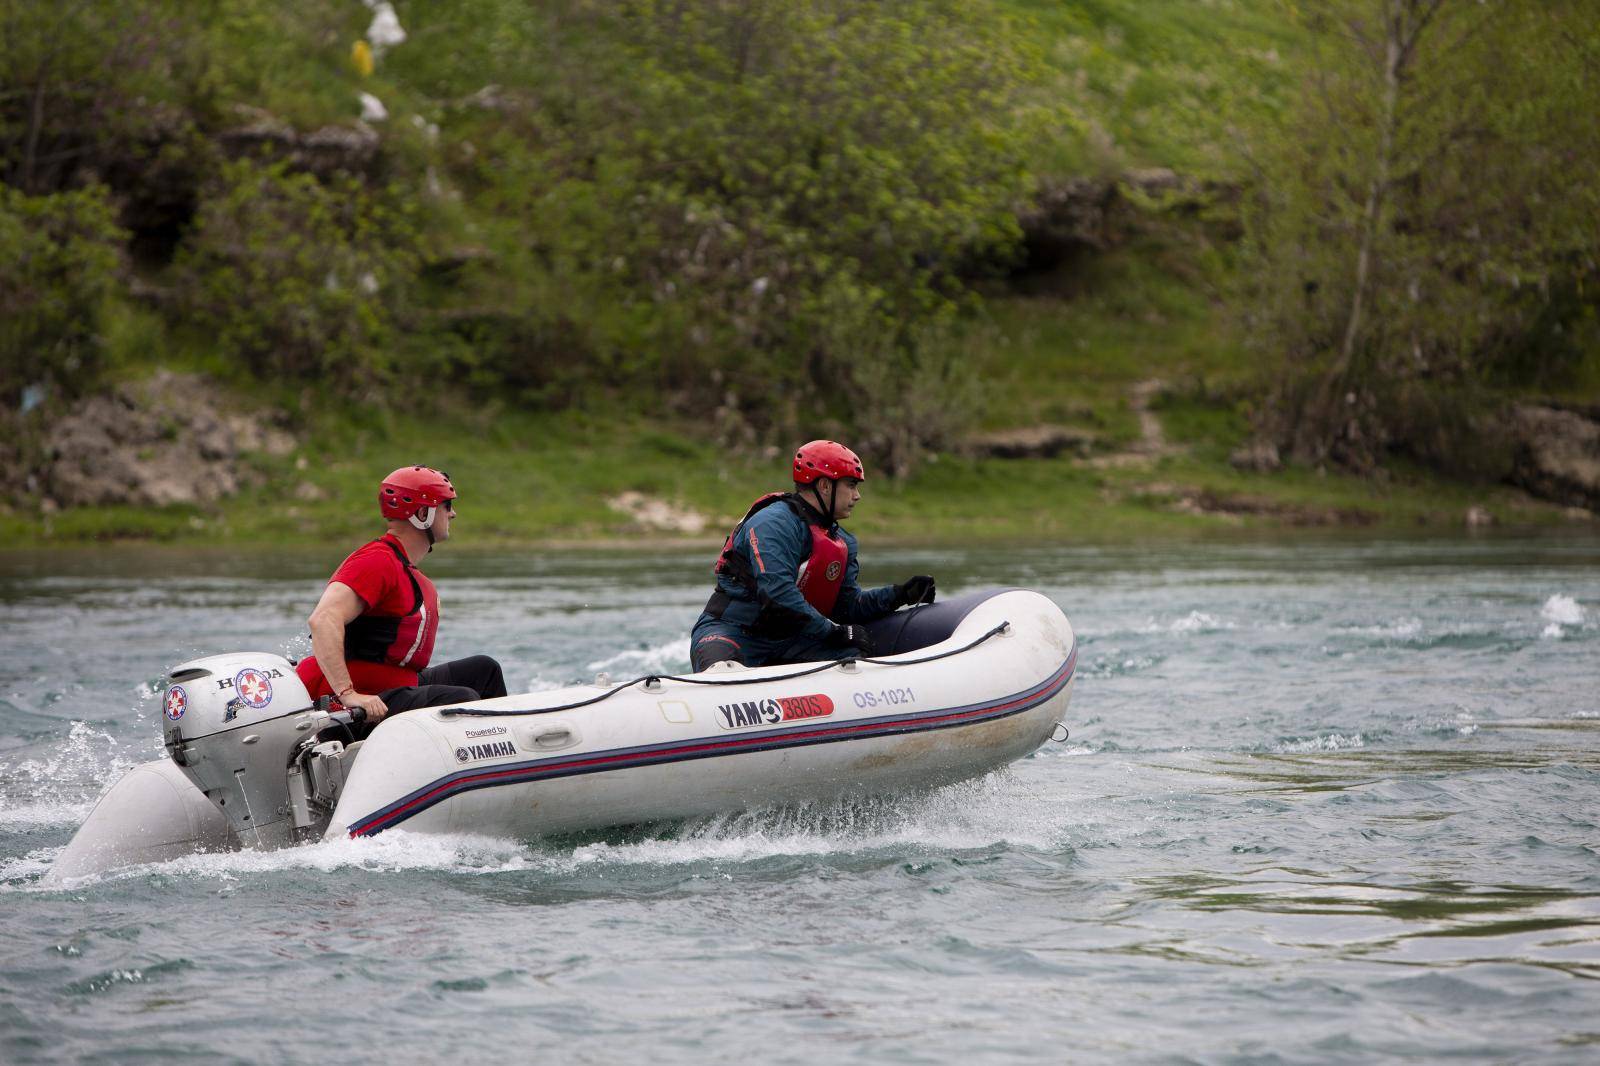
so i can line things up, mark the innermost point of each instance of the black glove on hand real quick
(851, 637)
(917, 590)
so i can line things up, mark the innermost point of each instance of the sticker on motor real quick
(773, 710)
(253, 686)
(177, 700)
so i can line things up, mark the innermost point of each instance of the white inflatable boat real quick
(954, 690)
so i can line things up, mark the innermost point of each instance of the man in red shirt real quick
(372, 631)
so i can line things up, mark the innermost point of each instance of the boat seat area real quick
(924, 626)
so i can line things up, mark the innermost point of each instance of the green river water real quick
(1328, 800)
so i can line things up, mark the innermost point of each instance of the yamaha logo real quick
(496, 750)
(773, 711)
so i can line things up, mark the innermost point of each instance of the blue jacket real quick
(784, 542)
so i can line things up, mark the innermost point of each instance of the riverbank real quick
(582, 480)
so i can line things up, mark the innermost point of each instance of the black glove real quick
(850, 637)
(917, 590)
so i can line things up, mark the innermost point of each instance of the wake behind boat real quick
(961, 688)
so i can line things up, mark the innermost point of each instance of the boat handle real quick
(558, 737)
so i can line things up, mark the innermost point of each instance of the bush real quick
(296, 278)
(57, 276)
(774, 198)
(1425, 227)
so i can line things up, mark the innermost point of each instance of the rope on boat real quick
(653, 679)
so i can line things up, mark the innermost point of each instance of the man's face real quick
(846, 494)
(443, 515)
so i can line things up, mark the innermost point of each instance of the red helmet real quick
(411, 488)
(826, 458)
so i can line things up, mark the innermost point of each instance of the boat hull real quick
(676, 749)
(153, 813)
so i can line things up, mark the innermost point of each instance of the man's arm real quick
(856, 604)
(338, 607)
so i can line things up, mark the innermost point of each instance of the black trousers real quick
(476, 677)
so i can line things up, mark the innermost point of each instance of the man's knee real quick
(811, 651)
(715, 648)
(480, 673)
(409, 699)
(484, 674)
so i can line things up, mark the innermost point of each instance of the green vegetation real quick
(1425, 226)
(591, 247)
(531, 477)
(294, 277)
(56, 280)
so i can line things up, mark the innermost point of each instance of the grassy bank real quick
(547, 395)
(527, 479)
(1071, 349)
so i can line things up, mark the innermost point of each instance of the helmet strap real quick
(426, 524)
(833, 499)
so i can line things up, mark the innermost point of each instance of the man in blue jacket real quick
(786, 579)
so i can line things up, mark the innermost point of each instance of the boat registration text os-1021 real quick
(956, 689)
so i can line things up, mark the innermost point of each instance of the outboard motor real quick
(243, 729)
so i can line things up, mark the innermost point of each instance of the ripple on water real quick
(1298, 774)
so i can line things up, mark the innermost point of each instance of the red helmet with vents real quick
(411, 488)
(826, 458)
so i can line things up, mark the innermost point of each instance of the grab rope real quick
(651, 679)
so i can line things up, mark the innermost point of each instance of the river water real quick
(1323, 801)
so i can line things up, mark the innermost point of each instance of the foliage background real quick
(1354, 229)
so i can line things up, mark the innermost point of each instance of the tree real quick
(1422, 218)
(774, 199)
(61, 264)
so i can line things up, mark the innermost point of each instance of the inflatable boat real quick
(953, 690)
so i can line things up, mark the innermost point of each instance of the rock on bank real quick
(168, 439)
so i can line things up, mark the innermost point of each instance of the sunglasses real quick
(449, 505)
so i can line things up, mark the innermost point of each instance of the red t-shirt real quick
(374, 573)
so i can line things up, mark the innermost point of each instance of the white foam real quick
(975, 815)
(61, 787)
(1328, 742)
(26, 870)
(394, 851)
(1399, 629)
(979, 814)
(663, 658)
(45, 813)
(1561, 611)
(1193, 622)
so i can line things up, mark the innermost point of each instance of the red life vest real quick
(821, 574)
(405, 641)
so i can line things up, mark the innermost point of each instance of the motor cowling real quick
(234, 723)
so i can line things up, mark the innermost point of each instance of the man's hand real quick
(371, 703)
(917, 590)
(850, 637)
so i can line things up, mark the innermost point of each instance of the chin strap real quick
(425, 524)
(833, 501)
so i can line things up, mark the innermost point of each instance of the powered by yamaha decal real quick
(493, 750)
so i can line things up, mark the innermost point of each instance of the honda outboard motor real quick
(237, 725)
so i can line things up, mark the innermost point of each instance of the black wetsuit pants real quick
(476, 677)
